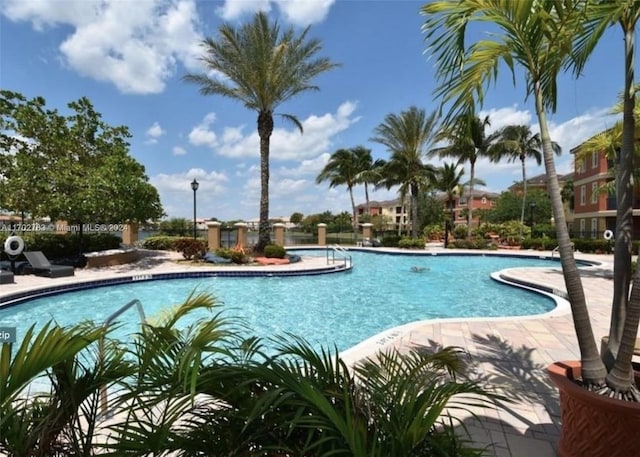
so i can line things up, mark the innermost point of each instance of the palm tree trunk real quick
(524, 194)
(366, 199)
(593, 370)
(414, 211)
(265, 128)
(354, 220)
(472, 174)
(624, 213)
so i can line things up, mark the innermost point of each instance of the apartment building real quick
(594, 196)
(481, 200)
(394, 213)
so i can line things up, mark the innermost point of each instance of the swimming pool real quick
(343, 309)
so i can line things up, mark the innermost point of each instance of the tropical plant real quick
(262, 68)
(50, 390)
(448, 181)
(343, 168)
(407, 136)
(542, 37)
(516, 142)
(468, 141)
(370, 174)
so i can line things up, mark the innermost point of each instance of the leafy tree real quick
(468, 142)
(516, 142)
(176, 226)
(407, 136)
(78, 166)
(430, 209)
(508, 207)
(262, 68)
(296, 218)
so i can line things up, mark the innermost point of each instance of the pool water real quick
(382, 291)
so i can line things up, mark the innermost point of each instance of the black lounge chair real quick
(41, 265)
(6, 277)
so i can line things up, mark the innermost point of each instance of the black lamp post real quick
(194, 186)
(532, 207)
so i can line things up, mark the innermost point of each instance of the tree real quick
(343, 168)
(370, 172)
(515, 142)
(78, 166)
(296, 218)
(468, 142)
(528, 34)
(262, 68)
(447, 180)
(407, 136)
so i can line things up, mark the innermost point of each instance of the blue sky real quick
(128, 58)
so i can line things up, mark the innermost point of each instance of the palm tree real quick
(468, 142)
(407, 136)
(530, 35)
(370, 171)
(447, 180)
(262, 68)
(515, 142)
(343, 168)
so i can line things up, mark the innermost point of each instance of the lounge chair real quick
(41, 265)
(6, 277)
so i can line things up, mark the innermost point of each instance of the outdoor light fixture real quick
(194, 186)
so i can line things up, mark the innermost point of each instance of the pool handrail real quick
(337, 249)
(107, 321)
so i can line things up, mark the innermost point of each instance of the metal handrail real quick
(107, 321)
(557, 249)
(346, 257)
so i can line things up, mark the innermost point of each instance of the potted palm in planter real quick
(544, 37)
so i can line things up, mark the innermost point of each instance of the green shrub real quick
(433, 232)
(274, 251)
(64, 245)
(190, 248)
(476, 243)
(411, 243)
(390, 241)
(236, 255)
(460, 231)
(160, 243)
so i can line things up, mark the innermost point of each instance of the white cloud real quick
(298, 12)
(304, 12)
(153, 133)
(202, 135)
(234, 9)
(290, 144)
(502, 117)
(178, 151)
(133, 45)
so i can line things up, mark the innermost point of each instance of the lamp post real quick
(194, 187)
(532, 207)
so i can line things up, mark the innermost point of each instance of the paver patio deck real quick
(509, 353)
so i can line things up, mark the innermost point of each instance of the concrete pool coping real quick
(511, 353)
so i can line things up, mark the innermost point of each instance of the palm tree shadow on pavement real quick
(533, 410)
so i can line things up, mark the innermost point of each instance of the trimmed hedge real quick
(160, 243)
(411, 243)
(274, 251)
(58, 246)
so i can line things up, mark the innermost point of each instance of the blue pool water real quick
(343, 309)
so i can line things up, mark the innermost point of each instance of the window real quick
(595, 159)
(580, 166)
(583, 195)
(594, 192)
(583, 223)
(462, 201)
(484, 200)
(398, 209)
(594, 228)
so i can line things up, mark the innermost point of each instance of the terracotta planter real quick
(593, 425)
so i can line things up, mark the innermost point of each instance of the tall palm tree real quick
(528, 34)
(342, 169)
(448, 180)
(370, 171)
(468, 141)
(407, 136)
(516, 142)
(263, 68)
